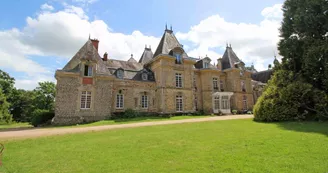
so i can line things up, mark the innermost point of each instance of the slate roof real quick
(146, 56)
(87, 52)
(126, 65)
(229, 59)
(199, 64)
(167, 43)
(262, 76)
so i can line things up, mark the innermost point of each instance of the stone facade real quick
(92, 88)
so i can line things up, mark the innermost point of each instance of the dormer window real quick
(178, 58)
(144, 76)
(120, 74)
(206, 65)
(87, 70)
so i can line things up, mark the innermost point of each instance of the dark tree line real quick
(21, 105)
(299, 87)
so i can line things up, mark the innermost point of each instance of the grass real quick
(14, 125)
(220, 146)
(18, 126)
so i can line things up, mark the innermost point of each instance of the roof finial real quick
(165, 26)
(150, 47)
(227, 43)
(171, 27)
(89, 36)
(230, 45)
(131, 55)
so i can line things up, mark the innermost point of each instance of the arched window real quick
(245, 102)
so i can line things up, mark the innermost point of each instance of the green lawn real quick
(103, 122)
(14, 125)
(220, 146)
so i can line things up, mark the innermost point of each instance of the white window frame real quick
(179, 103)
(178, 80)
(225, 102)
(85, 100)
(119, 101)
(215, 84)
(217, 102)
(87, 68)
(144, 101)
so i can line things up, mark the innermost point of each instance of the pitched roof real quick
(126, 65)
(146, 56)
(86, 52)
(167, 43)
(199, 64)
(262, 76)
(229, 58)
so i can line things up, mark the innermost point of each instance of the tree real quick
(299, 86)
(6, 83)
(304, 46)
(5, 117)
(45, 96)
(22, 104)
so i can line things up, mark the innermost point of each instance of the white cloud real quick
(62, 33)
(251, 42)
(47, 7)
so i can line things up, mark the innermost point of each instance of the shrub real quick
(41, 117)
(234, 111)
(286, 98)
(130, 113)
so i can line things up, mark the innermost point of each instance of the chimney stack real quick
(105, 58)
(95, 43)
(219, 65)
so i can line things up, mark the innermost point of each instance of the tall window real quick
(86, 100)
(179, 103)
(206, 64)
(87, 70)
(215, 84)
(178, 80)
(178, 58)
(225, 104)
(144, 101)
(217, 102)
(221, 85)
(119, 101)
(243, 86)
(245, 102)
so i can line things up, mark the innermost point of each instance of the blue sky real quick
(38, 37)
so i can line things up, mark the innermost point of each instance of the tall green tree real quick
(6, 83)
(304, 44)
(45, 96)
(5, 117)
(299, 87)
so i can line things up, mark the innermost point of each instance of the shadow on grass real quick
(305, 126)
